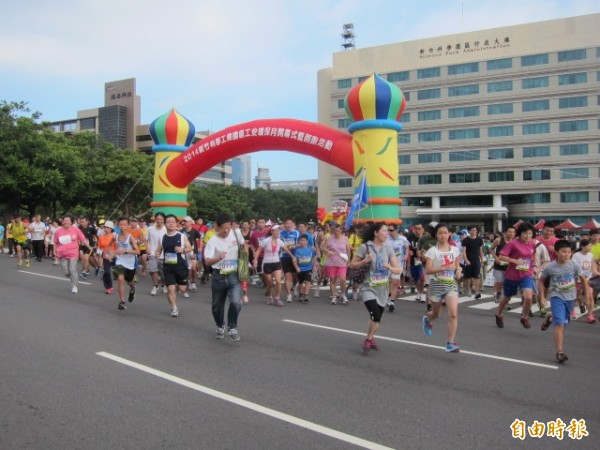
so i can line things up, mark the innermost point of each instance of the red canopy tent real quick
(517, 223)
(567, 225)
(591, 224)
(540, 224)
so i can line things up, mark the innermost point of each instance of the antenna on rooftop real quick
(348, 36)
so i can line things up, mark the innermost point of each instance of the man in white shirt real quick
(38, 229)
(155, 265)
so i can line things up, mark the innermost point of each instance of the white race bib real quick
(65, 239)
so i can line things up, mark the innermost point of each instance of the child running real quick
(306, 257)
(585, 259)
(562, 274)
(442, 263)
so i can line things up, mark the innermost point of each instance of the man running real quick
(155, 265)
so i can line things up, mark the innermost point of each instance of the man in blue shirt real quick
(290, 237)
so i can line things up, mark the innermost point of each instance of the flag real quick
(359, 201)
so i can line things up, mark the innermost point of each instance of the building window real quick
(344, 123)
(465, 178)
(576, 172)
(427, 94)
(425, 158)
(573, 125)
(70, 126)
(464, 155)
(572, 102)
(404, 138)
(525, 198)
(468, 89)
(423, 202)
(540, 151)
(496, 64)
(394, 77)
(501, 131)
(404, 160)
(345, 182)
(459, 69)
(404, 180)
(536, 175)
(501, 153)
(466, 133)
(430, 136)
(572, 55)
(435, 114)
(535, 105)
(573, 149)
(532, 83)
(406, 117)
(534, 60)
(494, 177)
(88, 124)
(500, 108)
(344, 84)
(340, 103)
(432, 72)
(536, 128)
(500, 86)
(430, 179)
(574, 197)
(467, 111)
(572, 78)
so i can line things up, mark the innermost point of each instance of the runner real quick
(400, 246)
(155, 264)
(374, 293)
(585, 259)
(193, 236)
(472, 255)
(562, 274)
(289, 235)
(107, 245)
(86, 256)
(175, 247)
(125, 262)
(442, 262)
(499, 265)
(221, 253)
(19, 236)
(66, 245)
(305, 258)
(38, 230)
(337, 250)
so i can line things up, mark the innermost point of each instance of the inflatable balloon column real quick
(376, 106)
(172, 134)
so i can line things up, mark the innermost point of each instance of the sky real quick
(220, 63)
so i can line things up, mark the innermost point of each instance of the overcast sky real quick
(219, 63)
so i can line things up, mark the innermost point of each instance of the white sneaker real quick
(74, 290)
(344, 300)
(289, 298)
(154, 290)
(186, 294)
(165, 290)
(174, 312)
(192, 286)
(296, 290)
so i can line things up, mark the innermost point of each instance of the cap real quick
(433, 224)
(133, 219)
(188, 219)
(109, 224)
(275, 227)
(464, 232)
(101, 222)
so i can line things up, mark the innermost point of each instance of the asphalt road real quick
(76, 373)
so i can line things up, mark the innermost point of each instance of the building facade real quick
(500, 124)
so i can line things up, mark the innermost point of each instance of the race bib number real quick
(445, 276)
(290, 243)
(304, 260)
(170, 258)
(417, 262)
(380, 278)
(228, 266)
(98, 251)
(565, 283)
(525, 266)
(65, 239)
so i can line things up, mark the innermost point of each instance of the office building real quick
(500, 124)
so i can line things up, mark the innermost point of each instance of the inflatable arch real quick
(368, 153)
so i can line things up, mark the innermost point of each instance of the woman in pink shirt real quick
(337, 249)
(66, 247)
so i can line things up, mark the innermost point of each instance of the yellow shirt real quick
(210, 233)
(596, 251)
(19, 232)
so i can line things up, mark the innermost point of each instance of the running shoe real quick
(278, 302)
(546, 323)
(525, 322)
(192, 286)
(374, 345)
(174, 312)
(270, 301)
(165, 290)
(289, 298)
(427, 328)
(27, 264)
(418, 298)
(477, 297)
(234, 335)
(220, 333)
(591, 319)
(154, 290)
(109, 291)
(561, 357)
(412, 290)
(333, 300)
(344, 300)
(366, 346)
(97, 272)
(392, 307)
(355, 295)
(543, 312)
(499, 321)
(582, 309)
(74, 290)
(186, 294)
(121, 306)
(83, 275)
(131, 295)
(497, 297)
(451, 347)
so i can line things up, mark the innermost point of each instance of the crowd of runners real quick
(373, 263)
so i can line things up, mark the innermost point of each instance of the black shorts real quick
(85, 250)
(128, 274)
(175, 274)
(269, 268)
(23, 245)
(375, 310)
(472, 270)
(305, 276)
(288, 265)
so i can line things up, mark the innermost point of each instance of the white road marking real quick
(53, 277)
(421, 344)
(249, 405)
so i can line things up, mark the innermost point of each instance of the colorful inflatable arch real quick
(369, 152)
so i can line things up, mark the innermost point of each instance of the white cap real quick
(188, 219)
(109, 224)
(275, 227)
